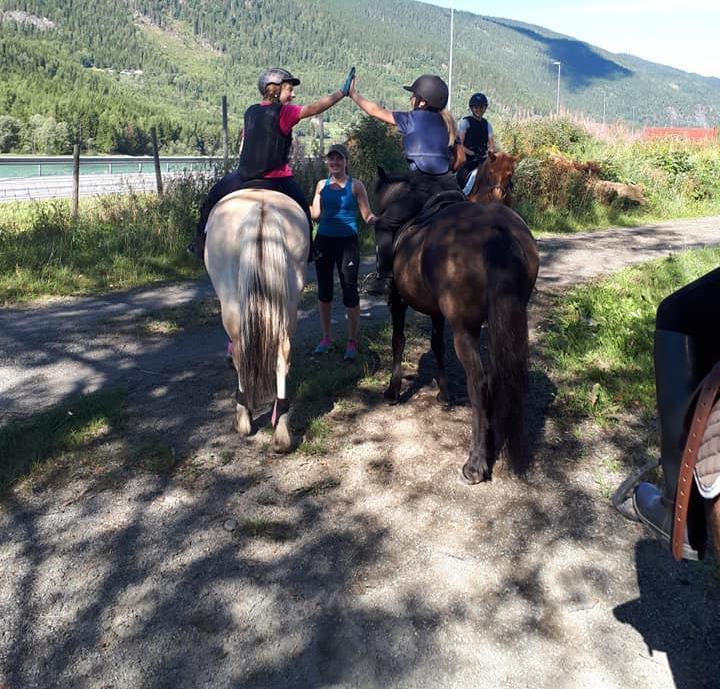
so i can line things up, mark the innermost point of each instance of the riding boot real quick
(677, 375)
(382, 282)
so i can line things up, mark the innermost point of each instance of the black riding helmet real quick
(432, 89)
(478, 100)
(275, 75)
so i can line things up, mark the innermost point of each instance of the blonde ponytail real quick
(449, 121)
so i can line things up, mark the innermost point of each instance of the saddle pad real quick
(707, 469)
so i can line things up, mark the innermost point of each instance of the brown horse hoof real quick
(472, 476)
(391, 396)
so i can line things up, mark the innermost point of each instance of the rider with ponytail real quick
(429, 141)
(267, 138)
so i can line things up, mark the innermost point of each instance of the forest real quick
(103, 73)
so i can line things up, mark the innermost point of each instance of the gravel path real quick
(370, 565)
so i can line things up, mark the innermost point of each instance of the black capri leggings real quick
(343, 252)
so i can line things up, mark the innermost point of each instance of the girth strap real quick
(701, 413)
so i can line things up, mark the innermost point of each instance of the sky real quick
(684, 34)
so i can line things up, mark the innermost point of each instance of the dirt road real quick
(370, 565)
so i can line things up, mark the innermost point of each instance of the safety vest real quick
(476, 137)
(265, 147)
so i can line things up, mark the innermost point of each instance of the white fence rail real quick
(50, 177)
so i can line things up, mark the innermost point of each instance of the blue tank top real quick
(425, 140)
(339, 211)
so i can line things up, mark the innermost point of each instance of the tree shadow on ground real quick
(678, 601)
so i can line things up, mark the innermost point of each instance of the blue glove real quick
(346, 86)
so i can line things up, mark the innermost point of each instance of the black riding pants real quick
(343, 252)
(234, 181)
(405, 208)
(695, 310)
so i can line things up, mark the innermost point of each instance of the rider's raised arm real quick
(371, 108)
(321, 104)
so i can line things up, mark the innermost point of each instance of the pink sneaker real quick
(351, 350)
(323, 346)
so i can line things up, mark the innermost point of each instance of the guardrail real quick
(14, 167)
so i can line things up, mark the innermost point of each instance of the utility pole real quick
(450, 66)
(557, 100)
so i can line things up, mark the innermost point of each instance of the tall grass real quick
(117, 242)
(554, 183)
(600, 338)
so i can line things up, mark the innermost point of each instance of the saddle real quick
(701, 456)
(432, 207)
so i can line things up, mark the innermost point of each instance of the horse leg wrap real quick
(241, 399)
(282, 406)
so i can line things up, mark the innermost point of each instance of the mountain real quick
(113, 67)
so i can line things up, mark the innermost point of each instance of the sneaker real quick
(351, 350)
(378, 286)
(323, 346)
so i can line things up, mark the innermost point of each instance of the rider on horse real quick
(687, 346)
(429, 138)
(265, 155)
(476, 135)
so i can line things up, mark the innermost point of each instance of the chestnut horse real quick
(255, 253)
(469, 264)
(493, 181)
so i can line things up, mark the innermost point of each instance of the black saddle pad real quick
(433, 205)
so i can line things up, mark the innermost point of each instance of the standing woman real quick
(430, 141)
(336, 203)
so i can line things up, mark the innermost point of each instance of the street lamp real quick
(557, 103)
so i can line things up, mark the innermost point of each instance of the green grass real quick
(33, 445)
(600, 336)
(117, 242)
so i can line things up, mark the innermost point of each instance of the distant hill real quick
(114, 67)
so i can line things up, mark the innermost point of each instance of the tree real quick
(10, 131)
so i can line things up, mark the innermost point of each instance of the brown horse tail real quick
(509, 288)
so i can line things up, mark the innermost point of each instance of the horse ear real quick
(381, 173)
(492, 156)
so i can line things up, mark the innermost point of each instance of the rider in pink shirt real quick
(265, 155)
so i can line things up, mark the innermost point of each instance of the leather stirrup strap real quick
(701, 413)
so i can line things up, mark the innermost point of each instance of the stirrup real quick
(622, 497)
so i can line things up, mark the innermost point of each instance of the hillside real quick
(115, 67)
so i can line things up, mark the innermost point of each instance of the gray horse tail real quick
(263, 292)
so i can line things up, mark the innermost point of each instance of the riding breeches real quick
(343, 252)
(404, 209)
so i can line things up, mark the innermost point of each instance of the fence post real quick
(226, 144)
(156, 160)
(76, 182)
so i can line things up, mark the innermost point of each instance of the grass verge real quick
(600, 336)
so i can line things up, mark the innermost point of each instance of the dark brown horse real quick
(493, 182)
(468, 265)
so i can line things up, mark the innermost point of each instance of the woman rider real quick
(336, 203)
(265, 155)
(429, 136)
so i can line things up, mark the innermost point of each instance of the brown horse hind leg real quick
(478, 467)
